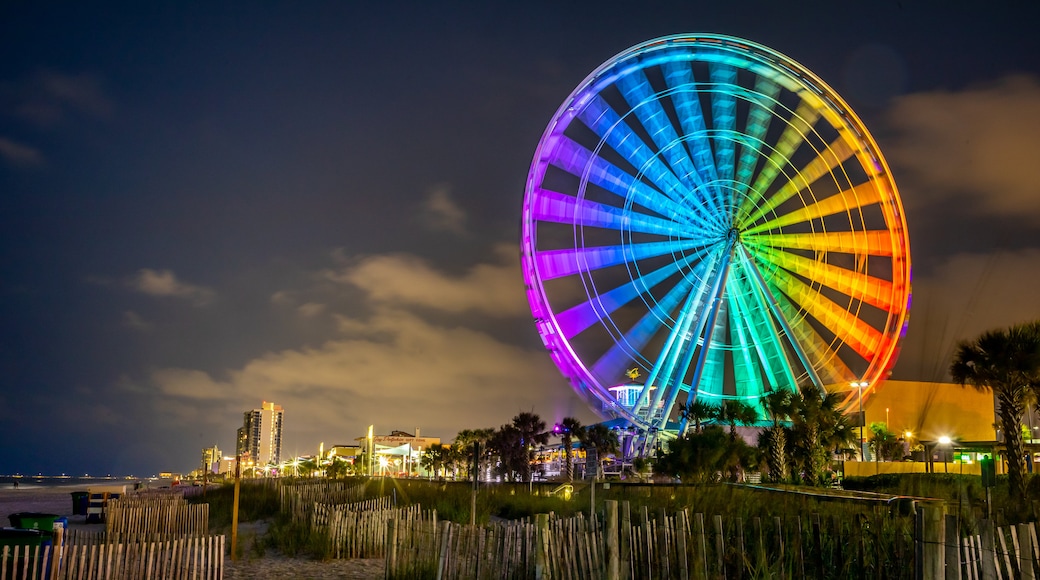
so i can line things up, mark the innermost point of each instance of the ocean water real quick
(44, 482)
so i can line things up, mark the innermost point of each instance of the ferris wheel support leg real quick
(775, 308)
(707, 330)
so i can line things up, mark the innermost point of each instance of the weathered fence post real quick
(929, 543)
(626, 540)
(987, 562)
(720, 546)
(1025, 552)
(952, 545)
(610, 508)
(442, 562)
(57, 552)
(702, 546)
(541, 566)
(391, 546)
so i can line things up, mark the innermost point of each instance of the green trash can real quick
(33, 521)
(30, 545)
(80, 501)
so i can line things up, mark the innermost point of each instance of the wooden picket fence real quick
(195, 558)
(426, 548)
(299, 498)
(1006, 552)
(679, 545)
(155, 517)
(362, 533)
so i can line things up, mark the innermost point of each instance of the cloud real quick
(310, 309)
(19, 154)
(392, 367)
(441, 213)
(49, 96)
(979, 143)
(133, 320)
(966, 295)
(489, 289)
(164, 283)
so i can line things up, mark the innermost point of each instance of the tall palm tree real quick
(467, 437)
(532, 432)
(817, 425)
(570, 429)
(778, 409)
(1006, 362)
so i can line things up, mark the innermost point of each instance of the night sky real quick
(318, 204)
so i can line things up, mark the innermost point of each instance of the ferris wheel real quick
(710, 213)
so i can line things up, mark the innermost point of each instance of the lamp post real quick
(945, 442)
(860, 385)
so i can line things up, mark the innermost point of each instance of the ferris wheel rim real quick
(769, 64)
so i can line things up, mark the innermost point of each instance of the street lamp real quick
(860, 385)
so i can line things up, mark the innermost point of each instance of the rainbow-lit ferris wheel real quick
(708, 211)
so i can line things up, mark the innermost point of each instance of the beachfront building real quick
(260, 437)
(211, 459)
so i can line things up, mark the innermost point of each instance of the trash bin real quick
(30, 545)
(36, 521)
(80, 501)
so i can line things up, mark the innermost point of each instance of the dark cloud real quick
(164, 284)
(19, 154)
(978, 145)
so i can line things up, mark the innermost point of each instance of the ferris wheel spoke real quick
(760, 113)
(800, 123)
(646, 106)
(679, 78)
(605, 122)
(570, 261)
(830, 369)
(773, 297)
(712, 377)
(870, 289)
(682, 337)
(827, 161)
(723, 117)
(759, 332)
(577, 160)
(860, 196)
(621, 353)
(860, 336)
(867, 243)
(555, 207)
(579, 318)
(705, 329)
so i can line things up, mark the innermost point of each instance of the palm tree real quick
(604, 439)
(467, 437)
(698, 411)
(1006, 362)
(569, 429)
(736, 412)
(532, 432)
(434, 458)
(818, 425)
(778, 409)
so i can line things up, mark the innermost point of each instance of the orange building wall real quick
(931, 410)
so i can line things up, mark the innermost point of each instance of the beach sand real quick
(58, 500)
(55, 500)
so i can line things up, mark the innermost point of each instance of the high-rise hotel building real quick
(260, 437)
